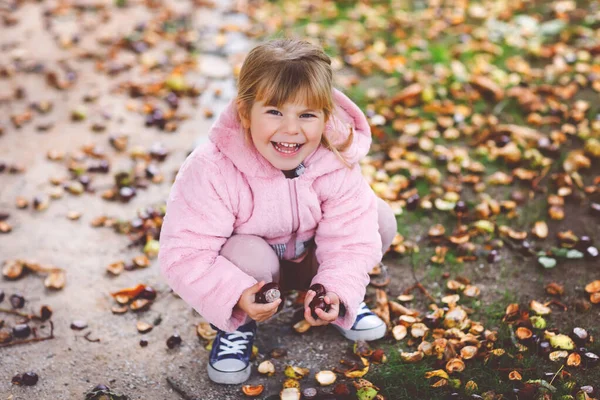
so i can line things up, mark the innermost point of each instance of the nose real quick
(291, 125)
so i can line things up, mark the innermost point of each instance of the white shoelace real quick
(236, 347)
(363, 309)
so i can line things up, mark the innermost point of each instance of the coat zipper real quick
(295, 219)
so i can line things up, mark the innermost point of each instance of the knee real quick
(253, 255)
(388, 227)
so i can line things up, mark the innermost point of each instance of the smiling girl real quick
(277, 192)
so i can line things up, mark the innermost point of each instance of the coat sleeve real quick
(348, 241)
(198, 221)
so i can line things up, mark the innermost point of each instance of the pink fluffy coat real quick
(227, 188)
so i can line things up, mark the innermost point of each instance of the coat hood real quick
(227, 134)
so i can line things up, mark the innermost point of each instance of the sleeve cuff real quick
(342, 310)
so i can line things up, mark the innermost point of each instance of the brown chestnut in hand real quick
(319, 300)
(268, 293)
(318, 289)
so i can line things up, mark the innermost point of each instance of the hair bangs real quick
(295, 83)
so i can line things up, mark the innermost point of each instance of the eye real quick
(273, 112)
(309, 115)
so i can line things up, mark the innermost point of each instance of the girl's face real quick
(286, 136)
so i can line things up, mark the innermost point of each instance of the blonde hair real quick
(288, 70)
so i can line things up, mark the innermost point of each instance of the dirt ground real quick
(69, 365)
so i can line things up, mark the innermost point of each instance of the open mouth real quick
(287, 148)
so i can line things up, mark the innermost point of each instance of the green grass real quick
(440, 53)
(400, 380)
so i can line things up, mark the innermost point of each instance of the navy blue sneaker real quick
(229, 360)
(367, 326)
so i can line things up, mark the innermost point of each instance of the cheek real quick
(261, 129)
(316, 132)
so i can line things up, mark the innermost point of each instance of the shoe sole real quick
(229, 378)
(367, 334)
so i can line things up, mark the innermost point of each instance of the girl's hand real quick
(324, 317)
(256, 311)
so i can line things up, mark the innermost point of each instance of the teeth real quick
(287, 144)
(287, 147)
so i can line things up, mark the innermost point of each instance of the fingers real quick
(324, 317)
(266, 308)
(256, 287)
(329, 316)
(262, 312)
(308, 317)
(309, 296)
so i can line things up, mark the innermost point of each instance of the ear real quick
(243, 113)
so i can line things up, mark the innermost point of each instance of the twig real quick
(35, 339)
(557, 303)
(417, 284)
(556, 374)
(87, 337)
(536, 181)
(20, 314)
(179, 390)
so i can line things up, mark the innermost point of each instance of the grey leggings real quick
(254, 255)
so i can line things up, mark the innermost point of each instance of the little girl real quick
(278, 191)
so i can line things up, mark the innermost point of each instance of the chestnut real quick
(85, 180)
(590, 360)
(173, 341)
(318, 289)
(100, 387)
(78, 325)
(493, 256)
(21, 331)
(502, 141)
(17, 301)
(136, 224)
(461, 207)
(588, 389)
(583, 243)
(148, 293)
(432, 321)
(158, 152)
(151, 171)
(318, 302)
(268, 293)
(30, 378)
(45, 313)
(544, 348)
(526, 249)
(126, 193)
(591, 253)
(579, 336)
(412, 202)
